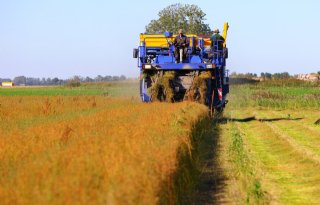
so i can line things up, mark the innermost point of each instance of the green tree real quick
(268, 75)
(55, 81)
(281, 75)
(20, 80)
(188, 17)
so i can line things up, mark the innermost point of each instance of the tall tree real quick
(188, 17)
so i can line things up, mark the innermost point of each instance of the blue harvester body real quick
(201, 77)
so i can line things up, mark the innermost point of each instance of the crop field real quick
(92, 150)
(114, 89)
(98, 144)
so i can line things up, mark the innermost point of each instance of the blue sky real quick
(63, 38)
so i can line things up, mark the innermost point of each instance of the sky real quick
(63, 38)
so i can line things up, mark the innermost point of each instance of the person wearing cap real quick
(180, 42)
(217, 40)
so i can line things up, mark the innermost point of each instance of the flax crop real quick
(89, 150)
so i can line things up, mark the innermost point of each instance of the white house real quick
(7, 84)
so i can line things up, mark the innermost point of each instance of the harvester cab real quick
(200, 77)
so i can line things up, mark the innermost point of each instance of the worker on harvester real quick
(217, 40)
(181, 45)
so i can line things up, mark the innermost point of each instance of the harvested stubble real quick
(86, 150)
(200, 85)
(162, 86)
(280, 153)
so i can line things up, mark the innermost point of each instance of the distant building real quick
(7, 84)
(309, 77)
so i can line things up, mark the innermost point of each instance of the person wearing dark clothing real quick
(217, 40)
(181, 45)
(216, 45)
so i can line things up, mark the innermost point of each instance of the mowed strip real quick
(241, 174)
(301, 133)
(296, 129)
(287, 169)
(123, 152)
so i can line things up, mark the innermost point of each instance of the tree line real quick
(23, 80)
(264, 75)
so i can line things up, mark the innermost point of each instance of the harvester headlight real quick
(209, 66)
(147, 66)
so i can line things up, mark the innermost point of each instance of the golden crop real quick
(89, 150)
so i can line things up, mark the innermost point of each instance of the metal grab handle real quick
(181, 54)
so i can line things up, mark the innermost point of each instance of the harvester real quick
(200, 77)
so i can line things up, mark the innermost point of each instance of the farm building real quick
(7, 84)
(309, 77)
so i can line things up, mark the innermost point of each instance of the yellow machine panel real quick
(159, 40)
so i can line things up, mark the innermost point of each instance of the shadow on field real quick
(249, 119)
(212, 178)
(199, 178)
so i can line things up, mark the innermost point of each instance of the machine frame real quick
(155, 56)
